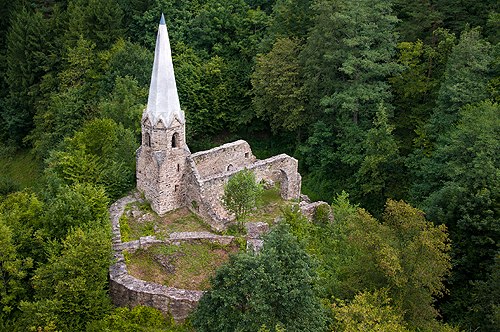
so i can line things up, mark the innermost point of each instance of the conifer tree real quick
(26, 63)
(347, 60)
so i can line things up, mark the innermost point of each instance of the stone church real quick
(171, 177)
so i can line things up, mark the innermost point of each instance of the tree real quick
(272, 288)
(347, 58)
(13, 272)
(139, 318)
(468, 72)
(416, 86)
(27, 60)
(77, 206)
(459, 187)
(99, 21)
(241, 194)
(101, 153)
(380, 174)
(125, 104)
(404, 253)
(418, 20)
(370, 312)
(277, 86)
(71, 286)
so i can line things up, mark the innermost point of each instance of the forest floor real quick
(188, 265)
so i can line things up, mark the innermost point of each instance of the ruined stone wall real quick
(227, 157)
(196, 198)
(126, 290)
(281, 169)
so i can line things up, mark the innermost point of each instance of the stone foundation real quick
(126, 290)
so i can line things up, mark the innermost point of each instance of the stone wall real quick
(225, 158)
(126, 290)
(161, 165)
(281, 169)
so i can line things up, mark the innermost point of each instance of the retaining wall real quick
(126, 290)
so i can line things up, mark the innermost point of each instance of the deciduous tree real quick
(241, 194)
(273, 288)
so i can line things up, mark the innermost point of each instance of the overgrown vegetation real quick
(139, 220)
(242, 194)
(382, 99)
(185, 266)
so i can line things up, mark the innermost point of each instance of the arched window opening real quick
(229, 167)
(147, 140)
(175, 140)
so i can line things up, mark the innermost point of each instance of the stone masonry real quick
(171, 177)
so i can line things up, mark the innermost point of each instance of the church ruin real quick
(171, 177)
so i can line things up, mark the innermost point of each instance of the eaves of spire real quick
(163, 100)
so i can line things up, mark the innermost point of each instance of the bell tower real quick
(161, 158)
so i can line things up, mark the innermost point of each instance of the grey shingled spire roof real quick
(163, 100)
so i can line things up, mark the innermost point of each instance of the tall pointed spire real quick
(163, 100)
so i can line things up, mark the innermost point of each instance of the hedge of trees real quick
(387, 100)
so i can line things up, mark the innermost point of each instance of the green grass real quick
(180, 220)
(186, 266)
(269, 208)
(20, 168)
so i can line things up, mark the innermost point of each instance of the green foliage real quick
(468, 71)
(484, 303)
(13, 272)
(368, 312)
(132, 60)
(125, 104)
(418, 20)
(71, 286)
(102, 153)
(203, 88)
(241, 194)
(278, 92)
(460, 188)
(26, 63)
(138, 319)
(416, 87)
(381, 174)
(64, 113)
(22, 213)
(273, 287)
(404, 252)
(347, 58)
(78, 206)
(95, 20)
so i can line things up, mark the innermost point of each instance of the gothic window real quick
(229, 167)
(147, 140)
(175, 140)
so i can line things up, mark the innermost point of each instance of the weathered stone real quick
(170, 177)
(256, 229)
(309, 209)
(254, 245)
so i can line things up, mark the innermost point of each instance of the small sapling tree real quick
(241, 194)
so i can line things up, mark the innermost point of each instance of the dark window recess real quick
(175, 140)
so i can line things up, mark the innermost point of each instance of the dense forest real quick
(390, 106)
